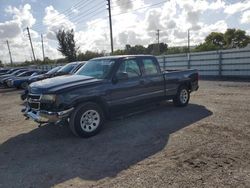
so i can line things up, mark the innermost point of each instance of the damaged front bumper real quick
(43, 116)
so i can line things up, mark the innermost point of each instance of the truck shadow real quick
(7, 90)
(51, 155)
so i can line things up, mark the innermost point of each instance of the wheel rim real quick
(24, 85)
(184, 96)
(90, 120)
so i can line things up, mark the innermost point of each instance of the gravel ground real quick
(206, 144)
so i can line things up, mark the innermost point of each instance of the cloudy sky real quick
(134, 22)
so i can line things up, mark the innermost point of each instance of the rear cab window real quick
(149, 66)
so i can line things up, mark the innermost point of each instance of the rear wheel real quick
(86, 120)
(182, 96)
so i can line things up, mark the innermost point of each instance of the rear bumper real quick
(46, 116)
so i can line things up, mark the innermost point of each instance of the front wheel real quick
(182, 96)
(86, 120)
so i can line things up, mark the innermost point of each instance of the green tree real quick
(88, 55)
(215, 38)
(206, 46)
(119, 52)
(67, 45)
(138, 49)
(1, 64)
(236, 38)
(163, 48)
(177, 50)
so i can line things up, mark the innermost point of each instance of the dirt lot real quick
(206, 144)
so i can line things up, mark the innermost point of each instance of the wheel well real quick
(99, 102)
(187, 84)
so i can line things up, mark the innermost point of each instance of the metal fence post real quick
(188, 63)
(220, 63)
(164, 62)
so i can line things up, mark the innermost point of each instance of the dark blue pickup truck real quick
(104, 86)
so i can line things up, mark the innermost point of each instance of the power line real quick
(155, 4)
(64, 11)
(97, 11)
(119, 5)
(70, 16)
(80, 18)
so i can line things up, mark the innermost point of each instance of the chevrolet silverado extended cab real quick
(102, 87)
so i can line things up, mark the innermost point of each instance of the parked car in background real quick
(70, 68)
(103, 87)
(3, 71)
(22, 81)
(6, 82)
(48, 74)
(12, 74)
(9, 71)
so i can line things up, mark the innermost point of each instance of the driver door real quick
(127, 91)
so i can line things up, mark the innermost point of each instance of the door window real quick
(149, 66)
(130, 67)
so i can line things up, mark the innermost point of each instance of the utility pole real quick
(31, 44)
(188, 41)
(110, 26)
(42, 47)
(158, 40)
(11, 61)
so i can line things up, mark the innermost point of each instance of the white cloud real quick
(14, 30)
(75, 10)
(10, 29)
(55, 21)
(22, 15)
(218, 4)
(21, 18)
(237, 7)
(94, 37)
(245, 18)
(119, 6)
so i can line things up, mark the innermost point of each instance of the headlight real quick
(48, 98)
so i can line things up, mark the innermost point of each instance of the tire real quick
(86, 120)
(182, 97)
(24, 85)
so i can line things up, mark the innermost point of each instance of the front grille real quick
(33, 101)
(34, 105)
(34, 97)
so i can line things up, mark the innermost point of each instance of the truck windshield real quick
(67, 68)
(52, 71)
(96, 68)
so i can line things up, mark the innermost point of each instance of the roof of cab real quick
(121, 56)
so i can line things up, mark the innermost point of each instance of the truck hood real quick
(57, 84)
